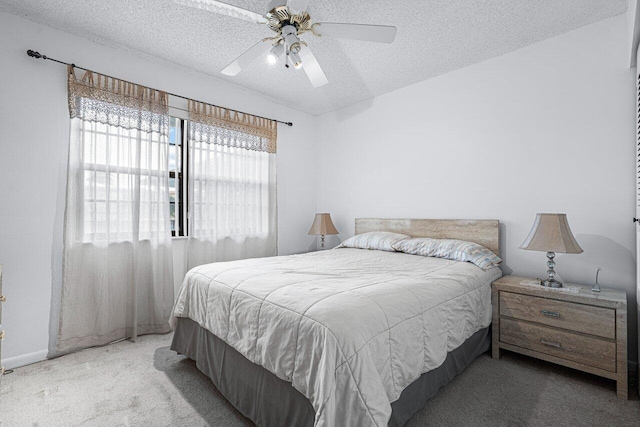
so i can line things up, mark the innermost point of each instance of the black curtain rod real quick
(38, 55)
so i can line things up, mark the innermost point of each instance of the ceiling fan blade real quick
(312, 68)
(250, 55)
(297, 6)
(224, 9)
(369, 33)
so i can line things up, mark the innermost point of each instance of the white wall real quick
(548, 128)
(33, 151)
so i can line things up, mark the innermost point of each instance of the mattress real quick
(350, 329)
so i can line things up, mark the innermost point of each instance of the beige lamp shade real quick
(322, 225)
(551, 233)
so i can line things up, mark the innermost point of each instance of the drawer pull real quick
(1, 335)
(550, 313)
(551, 343)
(3, 298)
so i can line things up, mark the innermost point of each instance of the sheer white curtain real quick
(118, 271)
(232, 186)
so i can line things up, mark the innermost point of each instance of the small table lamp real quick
(551, 233)
(322, 225)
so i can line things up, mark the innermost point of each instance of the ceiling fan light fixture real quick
(275, 53)
(295, 60)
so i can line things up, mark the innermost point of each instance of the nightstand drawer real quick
(578, 348)
(591, 320)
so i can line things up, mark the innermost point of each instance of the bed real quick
(339, 337)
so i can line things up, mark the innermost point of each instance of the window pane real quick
(175, 162)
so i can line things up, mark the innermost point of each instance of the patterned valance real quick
(263, 133)
(104, 99)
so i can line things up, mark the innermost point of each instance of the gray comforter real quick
(349, 328)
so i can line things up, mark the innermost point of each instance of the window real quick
(232, 187)
(118, 167)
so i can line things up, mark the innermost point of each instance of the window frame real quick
(181, 204)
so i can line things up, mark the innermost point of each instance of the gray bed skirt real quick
(269, 401)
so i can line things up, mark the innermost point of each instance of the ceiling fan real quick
(289, 19)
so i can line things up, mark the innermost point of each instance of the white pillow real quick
(376, 240)
(457, 250)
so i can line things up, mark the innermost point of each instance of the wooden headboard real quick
(484, 232)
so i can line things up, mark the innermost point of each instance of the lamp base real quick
(551, 283)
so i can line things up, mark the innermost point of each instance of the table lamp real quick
(322, 225)
(551, 233)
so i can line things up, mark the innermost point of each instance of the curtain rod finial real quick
(34, 54)
(37, 55)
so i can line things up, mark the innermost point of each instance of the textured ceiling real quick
(434, 37)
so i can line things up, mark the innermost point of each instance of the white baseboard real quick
(24, 359)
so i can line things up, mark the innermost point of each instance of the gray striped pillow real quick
(376, 240)
(457, 250)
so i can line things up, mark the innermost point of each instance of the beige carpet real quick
(146, 384)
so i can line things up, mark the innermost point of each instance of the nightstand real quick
(584, 330)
